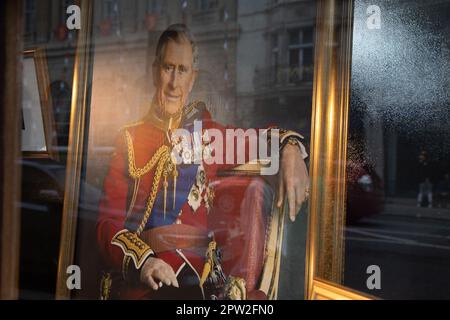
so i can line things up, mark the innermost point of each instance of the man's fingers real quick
(292, 204)
(161, 275)
(152, 283)
(167, 276)
(300, 197)
(167, 281)
(280, 192)
(170, 276)
(156, 273)
(173, 279)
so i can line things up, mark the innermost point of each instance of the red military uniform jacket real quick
(128, 189)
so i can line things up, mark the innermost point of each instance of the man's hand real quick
(156, 270)
(293, 179)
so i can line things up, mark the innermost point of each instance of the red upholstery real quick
(239, 222)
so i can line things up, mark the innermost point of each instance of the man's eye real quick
(168, 68)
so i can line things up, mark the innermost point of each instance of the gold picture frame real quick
(79, 106)
(38, 122)
(325, 247)
(322, 290)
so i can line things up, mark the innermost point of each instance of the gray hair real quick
(176, 32)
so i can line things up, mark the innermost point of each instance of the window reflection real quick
(43, 178)
(300, 54)
(399, 151)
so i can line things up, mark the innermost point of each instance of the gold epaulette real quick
(191, 106)
(131, 125)
(132, 246)
(137, 173)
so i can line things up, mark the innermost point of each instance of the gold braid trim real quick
(133, 247)
(125, 265)
(132, 124)
(137, 173)
(105, 286)
(164, 167)
(209, 264)
(164, 158)
(130, 243)
(133, 198)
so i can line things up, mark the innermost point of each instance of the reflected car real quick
(365, 191)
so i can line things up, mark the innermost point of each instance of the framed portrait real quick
(38, 125)
(119, 194)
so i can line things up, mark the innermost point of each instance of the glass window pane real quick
(294, 57)
(307, 35)
(307, 66)
(308, 56)
(48, 64)
(294, 37)
(398, 204)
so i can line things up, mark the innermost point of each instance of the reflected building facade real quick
(256, 57)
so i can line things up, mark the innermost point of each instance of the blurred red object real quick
(105, 27)
(150, 22)
(365, 191)
(61, 32)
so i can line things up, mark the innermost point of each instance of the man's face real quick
(174, 76)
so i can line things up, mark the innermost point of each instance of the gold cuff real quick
(132, 246)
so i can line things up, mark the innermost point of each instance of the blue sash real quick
(187, 175)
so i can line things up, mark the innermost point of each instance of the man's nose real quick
(174, 78)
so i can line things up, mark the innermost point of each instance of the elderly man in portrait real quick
(155, 217)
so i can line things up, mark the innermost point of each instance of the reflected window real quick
(47, 75)
(207, 4)
(275, 55)
(155, 6)
(30, 19)
(63, 9)
(300, 54)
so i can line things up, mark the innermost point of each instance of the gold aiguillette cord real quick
(175, 176)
